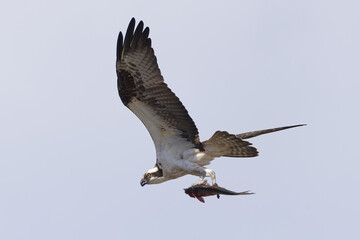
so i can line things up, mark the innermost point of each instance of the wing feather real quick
(142, 89)
(261, 132)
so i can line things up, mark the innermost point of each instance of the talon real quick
(204, 182)
(201, 182)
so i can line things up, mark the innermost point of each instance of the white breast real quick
(169, 144)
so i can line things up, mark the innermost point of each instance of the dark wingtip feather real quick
(137, 33)
(261, 132)
(148, 42)
(129, 34)
(119, 46)
(145, 34)
(132, 38)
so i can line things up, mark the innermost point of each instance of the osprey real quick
(179, 150)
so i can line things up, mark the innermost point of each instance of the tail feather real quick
(230, 145)
(224, 144)
(261, 132)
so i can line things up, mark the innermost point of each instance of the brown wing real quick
(261, 132)
(142, 88)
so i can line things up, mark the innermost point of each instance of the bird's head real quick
(153, 176)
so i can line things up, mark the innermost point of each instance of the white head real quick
(153, 176)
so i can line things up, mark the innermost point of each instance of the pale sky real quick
(71, 155)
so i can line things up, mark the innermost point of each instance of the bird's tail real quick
(232, 145)
(229, 145)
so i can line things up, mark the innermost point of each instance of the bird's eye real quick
(148, 175)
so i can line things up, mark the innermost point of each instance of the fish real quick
(204, 190)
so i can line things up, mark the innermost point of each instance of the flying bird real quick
(179, 150)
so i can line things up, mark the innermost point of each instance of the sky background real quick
(71, 155)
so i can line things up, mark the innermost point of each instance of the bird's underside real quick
(179, 150)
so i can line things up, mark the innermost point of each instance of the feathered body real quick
(179, 150)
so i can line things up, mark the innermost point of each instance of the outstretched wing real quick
(261, 132)
(142, 89)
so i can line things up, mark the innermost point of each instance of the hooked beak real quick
(144, 181)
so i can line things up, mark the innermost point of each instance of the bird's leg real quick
(195, 169)
(201, 181)
(208, 173)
